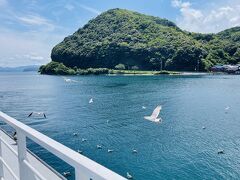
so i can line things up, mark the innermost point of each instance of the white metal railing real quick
(85, 169)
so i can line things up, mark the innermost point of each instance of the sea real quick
(200, 116)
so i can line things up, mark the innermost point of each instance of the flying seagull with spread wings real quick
(154, 117)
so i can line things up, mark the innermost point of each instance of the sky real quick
(29, 29)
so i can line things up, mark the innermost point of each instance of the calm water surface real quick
(176, 149)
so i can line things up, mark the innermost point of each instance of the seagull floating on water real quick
(79, 151)
(110, 150)
(75, 134)
(99, 147)
(69, 80)
(203, 127)
(221, 151)
(67, 173)
(143, 107)
(227, 108)
(83, 139)
(37, 114)
(154, 116)
(91, 101)
(129, 176)
(134, 151)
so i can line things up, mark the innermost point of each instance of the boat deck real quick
(10, 159)
(17, 162)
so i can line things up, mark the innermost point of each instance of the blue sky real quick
(30, 28)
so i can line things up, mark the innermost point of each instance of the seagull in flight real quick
(154, 116)
(38, 114)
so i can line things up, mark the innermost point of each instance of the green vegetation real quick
(120, 67)
(124, 40)
(55, 68)
(140, 72)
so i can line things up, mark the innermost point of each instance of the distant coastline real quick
(55, 68)
(30, 68)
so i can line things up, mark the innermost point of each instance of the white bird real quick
(129, 176)
(91, 101)
(99, 147)
(69, 80)
(227, 108)
(134, 151)
(37, 114)
(83, 139)
(67, 173)
(143, 107)
(75, 134)
(110, 150)
(79, 151)
(154, 116)
(220, 151)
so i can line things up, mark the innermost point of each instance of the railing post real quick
(80, 175)
(1, 163)
(21, 142)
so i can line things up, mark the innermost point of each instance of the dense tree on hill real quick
(121, 36)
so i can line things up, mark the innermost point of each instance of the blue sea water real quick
(176, 149)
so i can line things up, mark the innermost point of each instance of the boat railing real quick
(85, 168)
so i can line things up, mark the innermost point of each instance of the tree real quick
(135, 68)
(120, 67)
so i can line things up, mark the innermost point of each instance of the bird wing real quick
(156, 112)
(30, 114)
(44, 115)
(149, 118)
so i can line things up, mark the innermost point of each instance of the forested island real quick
(124, 41)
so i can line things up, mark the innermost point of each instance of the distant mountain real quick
(20, 68)
(120, 36)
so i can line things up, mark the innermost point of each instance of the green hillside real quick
(135, 40)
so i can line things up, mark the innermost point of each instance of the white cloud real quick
(33, 57)
(36, 20)
(69, 7)
(90, 9)
(210, 21)
(28, 32)
(28, 48)
(180, 4)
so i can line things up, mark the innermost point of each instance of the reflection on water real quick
(176, 149)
